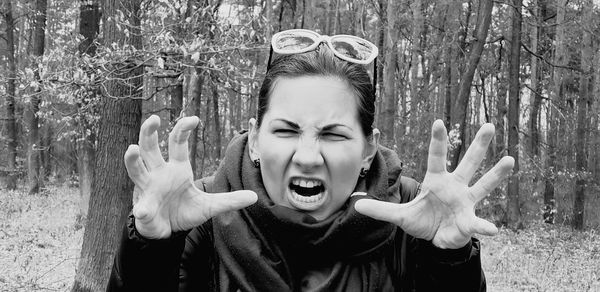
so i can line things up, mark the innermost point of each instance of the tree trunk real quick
(89, 15)
(390, 99)
(549, 208)
(175, 97)
(582, 118)
(501, 108)
(217, 121)
(120, 120)
(459, 109)
(11, 91)
(513, 212)
(35, 180)
(534, 143)
(269, 17)
(197, 104)
(414, 63)
(336, 17)
(48, 153)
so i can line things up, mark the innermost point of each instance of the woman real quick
(308, 200)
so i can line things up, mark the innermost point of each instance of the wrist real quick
(456, 244)
(448, 255)
(149, 231)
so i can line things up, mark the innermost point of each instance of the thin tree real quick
(89, 25)
(461, 103)
(513, 212)
(34, 178)
(10, 122)
(536, 33)
(120, 120)
(549, 208)
(389, 108)
(582, 118)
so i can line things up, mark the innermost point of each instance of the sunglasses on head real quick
(346, 47)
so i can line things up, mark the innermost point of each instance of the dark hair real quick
(322, 62)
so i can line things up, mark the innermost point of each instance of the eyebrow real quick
(325, 128)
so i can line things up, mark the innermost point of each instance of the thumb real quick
(482, 226)
(224, 202)
(380, 210)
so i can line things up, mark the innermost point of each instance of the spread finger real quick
(438, 148)
(149, 149)
(178, 139)
(475, 154)
(492, 178)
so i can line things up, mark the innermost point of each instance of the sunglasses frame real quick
(327, 39)
(318, 39)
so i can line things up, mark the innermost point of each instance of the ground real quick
(40, 241)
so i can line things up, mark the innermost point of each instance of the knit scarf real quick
(267, 247)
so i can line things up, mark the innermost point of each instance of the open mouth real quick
(307, 193)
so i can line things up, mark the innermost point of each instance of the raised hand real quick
(166, 199)
(444, 210)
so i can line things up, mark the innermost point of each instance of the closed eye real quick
(334, 136)
(284, 132)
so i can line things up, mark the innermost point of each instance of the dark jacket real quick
(188, 262)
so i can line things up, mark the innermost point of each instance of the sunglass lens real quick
(293, 42)
(352, 48)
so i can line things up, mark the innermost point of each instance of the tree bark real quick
(390, 98)
(513, 212)
(582, 119)
(197, 104)
(549, 208)
(89, 25)
(415, 96)
(501, 109)
(450, 71)
(536, 32)
(459, 109)
(269, 17)
(217, 121)
(34, 178)
(175, 97)
(120, 120)
(10, 122)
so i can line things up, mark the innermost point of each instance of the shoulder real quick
(409, 189)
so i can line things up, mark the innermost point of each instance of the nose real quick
(307, 155)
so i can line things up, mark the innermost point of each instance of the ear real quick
(371, 149)
(253, 139)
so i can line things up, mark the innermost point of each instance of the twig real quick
(549, 62)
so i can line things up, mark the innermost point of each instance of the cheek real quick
(344, 167)
(274, 159)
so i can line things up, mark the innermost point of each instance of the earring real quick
(363, 172)
(256, 162)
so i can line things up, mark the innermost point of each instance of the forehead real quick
(313, 99)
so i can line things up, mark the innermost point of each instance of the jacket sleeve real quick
(435, 269)
(146, 265)
(449, 270)
(142, 264)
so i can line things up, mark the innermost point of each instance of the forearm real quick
(449, 270)
(146, 265)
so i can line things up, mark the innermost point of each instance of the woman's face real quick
(310, 144)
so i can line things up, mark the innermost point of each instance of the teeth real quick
(306, 183)
(311, 199)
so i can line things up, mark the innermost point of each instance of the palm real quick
(443, 211)
(166, 199)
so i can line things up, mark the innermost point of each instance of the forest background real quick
(78, 77)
